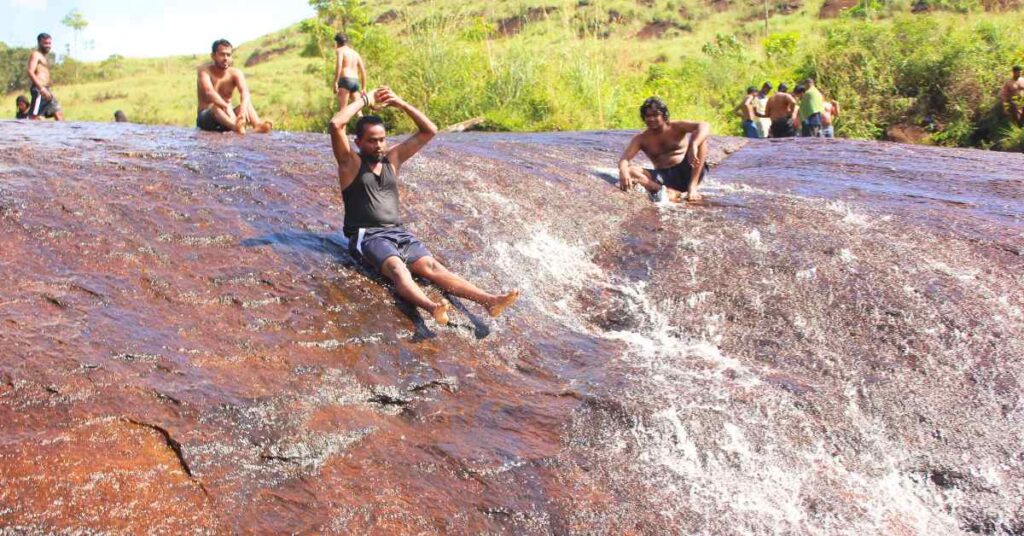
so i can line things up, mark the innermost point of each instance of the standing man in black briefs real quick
(43, 102)
(373, 225)
(678, 167)
(349, 72)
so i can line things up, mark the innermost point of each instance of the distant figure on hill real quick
(22, 103)
(780, 109)
(1012, 96)
(373, 225)
(764, 123)
(828, 117)
(217, 82)
(748, 112)
(43, 102)
(812, 104)
(349, 72)
(119, 117)
(678, 167)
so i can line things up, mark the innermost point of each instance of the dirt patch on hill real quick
(260, 56)
(387, 17)
(510, 26)
(656, 29)
(833, 8)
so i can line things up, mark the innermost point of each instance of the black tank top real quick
(371, 200)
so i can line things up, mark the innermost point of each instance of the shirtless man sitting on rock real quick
(217, 82)
(1012, 96)
(678, 167)
(373, 225)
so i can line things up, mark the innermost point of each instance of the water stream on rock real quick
(831, 344)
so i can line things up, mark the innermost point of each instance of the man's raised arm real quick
(427, 129)
(348, 163)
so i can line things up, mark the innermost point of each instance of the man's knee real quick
(427, 267)
(394, 268)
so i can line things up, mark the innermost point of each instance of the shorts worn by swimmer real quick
(348, 84)
(206, 121)
(374, 245)
(41, 106)
(678, 176)
(783, 128)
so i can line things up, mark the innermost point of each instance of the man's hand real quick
(385, 97)
(46, 94)
(625, 182)
(693, 158)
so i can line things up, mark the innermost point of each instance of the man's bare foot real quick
(264, 127)
(240, 126)
(440, 313)
(503, 302)
(674, 196)
(693, 197)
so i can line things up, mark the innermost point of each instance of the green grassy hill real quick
(931, 66)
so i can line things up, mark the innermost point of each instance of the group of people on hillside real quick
(805, 112)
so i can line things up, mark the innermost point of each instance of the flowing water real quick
(831, 344)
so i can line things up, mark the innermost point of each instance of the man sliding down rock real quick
(369, 189)
(678, 167)
(217, 81)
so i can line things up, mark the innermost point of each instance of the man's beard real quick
(373, 157)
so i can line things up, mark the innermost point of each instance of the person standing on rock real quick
(349, 72)
(812, 104)
(764, 123)
(1012, 96)
(43, 102)
(373, 225)
(216, 83)
(748, 112)
(828, 118)
(780, 109)
(678, 150)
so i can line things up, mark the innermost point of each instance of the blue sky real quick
(147, 28)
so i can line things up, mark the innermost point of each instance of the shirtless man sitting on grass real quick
(373, 225)
(678, 167)
(217, 82)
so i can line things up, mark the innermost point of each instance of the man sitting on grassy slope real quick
(369, 189)
(1012, 96)
(217, 82)
(677, 167)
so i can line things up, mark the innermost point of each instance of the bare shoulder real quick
(235, 73)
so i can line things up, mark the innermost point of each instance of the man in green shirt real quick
(812, 104)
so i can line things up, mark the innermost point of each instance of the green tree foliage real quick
(76, 21)
(13, 62)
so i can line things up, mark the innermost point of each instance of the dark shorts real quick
(348, 84)
(783, 128)
(374, 245)
(40, 106)
(812, 126)
(206, 121)
(678, 176)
